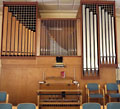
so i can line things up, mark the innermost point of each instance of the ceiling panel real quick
(49, 2)
(51, 7)
(66, 7)
(66, 1)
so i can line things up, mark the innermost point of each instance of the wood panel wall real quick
(20, 77)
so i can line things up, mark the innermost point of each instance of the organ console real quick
(59, 92)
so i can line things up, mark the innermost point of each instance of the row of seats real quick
(93, 90)
(111, 90)
(112, 105)
(84, 106)
(20, 106)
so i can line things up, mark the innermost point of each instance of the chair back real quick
(3, 96)
(92, 86)
(112, 87)
(26, 106)
(5, 106)
(115, 105)
(91, 106)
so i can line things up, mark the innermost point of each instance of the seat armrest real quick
(87, 91)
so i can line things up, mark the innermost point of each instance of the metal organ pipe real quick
(104, 37)
(101, 45)
(113, 35)
(92, 42)
(96, 47)
(110, 35)
(84, 39)
(88, 39)
(107, 37)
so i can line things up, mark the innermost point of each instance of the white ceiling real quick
(60, 6)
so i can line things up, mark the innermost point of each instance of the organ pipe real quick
(92, 41)
(96, 44)
(110, 35)
(107, 37)
(101, 45)
(84, 40)
(88, 39)
(104, 37)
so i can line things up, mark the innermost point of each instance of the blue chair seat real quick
(114, 95)
(3, 96)
(5, 106)
(96, 96)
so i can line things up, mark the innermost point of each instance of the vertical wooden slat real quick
(20, 39)
(78, 38)
(38, 36)
(13, 35)
(31, 42)
(9, 33)
(26, 40)
(23, 40)
(5, 20)
(16, 37)
(29, 38)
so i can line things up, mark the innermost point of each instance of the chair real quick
(4, 97)
(26, 106)
(93, 91)
(5, 106)
(115, 105)
(112, 91)
(91, 106)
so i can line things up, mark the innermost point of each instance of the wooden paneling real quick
(20, 77)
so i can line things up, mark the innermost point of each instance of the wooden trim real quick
(59, 18)
(98, 38)
(96, 2)
(18, 57)
(19, 3)
(115, 36)
(108, 65)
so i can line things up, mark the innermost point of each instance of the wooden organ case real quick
(98, 36)
(59, 93)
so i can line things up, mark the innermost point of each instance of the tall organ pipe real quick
(113, 34)
(84, 39)
(92, 42)
(104, 39)
(96, 47)
(101, 45)
(88, 39)
(110, 35)
(107, 37)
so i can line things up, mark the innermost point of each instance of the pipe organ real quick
(58, 37)
(90, 40)
(19, 29)
(107, 34)
(99, 36)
